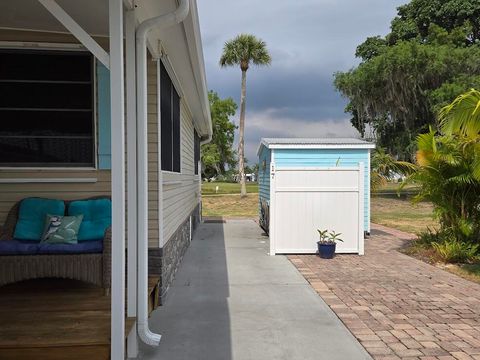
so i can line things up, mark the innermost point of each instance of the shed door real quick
(307, 199)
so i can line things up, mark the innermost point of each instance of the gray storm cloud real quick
(309, 40)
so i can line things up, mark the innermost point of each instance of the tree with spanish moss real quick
(430, 56)
(243, 51)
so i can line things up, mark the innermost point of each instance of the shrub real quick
(427, 238)
(456, 251)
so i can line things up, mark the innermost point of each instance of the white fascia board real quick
(195, 49)
(260, 148)
(319, 146)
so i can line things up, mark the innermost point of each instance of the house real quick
(251, 177)
(310, 184)
(109, 97)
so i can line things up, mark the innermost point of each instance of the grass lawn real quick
(401, 214)
(231, 205)
(227, 188)
(392, 188)
(467, 271)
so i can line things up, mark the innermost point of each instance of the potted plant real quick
(327, 243)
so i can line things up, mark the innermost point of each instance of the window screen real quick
(170, 123)
(46, 109)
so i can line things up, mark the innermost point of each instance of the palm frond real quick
(384, 165)
(461, 179)
(462, 116)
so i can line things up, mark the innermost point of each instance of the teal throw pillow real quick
(61, 229)
(97, 217)
(31, 217)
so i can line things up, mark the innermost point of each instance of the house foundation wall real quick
(164, 262)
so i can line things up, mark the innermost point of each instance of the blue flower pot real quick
(326, 251)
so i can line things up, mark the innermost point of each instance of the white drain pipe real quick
(160, 22)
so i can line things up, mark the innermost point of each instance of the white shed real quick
(310, 184)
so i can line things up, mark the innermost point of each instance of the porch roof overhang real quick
(179, 45)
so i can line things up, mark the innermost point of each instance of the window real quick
(170, 123)
(196, 150)
(46, 109)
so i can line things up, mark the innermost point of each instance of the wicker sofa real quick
(94, 268)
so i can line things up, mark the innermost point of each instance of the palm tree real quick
(446, 173)
(384, 165)
(244, 50)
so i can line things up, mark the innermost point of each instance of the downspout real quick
(160, 22)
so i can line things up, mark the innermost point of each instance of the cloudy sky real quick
(309, 40)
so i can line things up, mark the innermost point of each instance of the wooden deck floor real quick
(56, 319)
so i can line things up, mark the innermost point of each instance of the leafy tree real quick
(372, 47)
(243, 51)
(219, 153)
(414, 19)
(430, 56)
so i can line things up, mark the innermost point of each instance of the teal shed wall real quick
(264, 160)
(319, 158)
(264, 174)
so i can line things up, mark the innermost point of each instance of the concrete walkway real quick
(230, 300)
(397, 306)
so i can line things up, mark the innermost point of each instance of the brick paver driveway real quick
(397, 306)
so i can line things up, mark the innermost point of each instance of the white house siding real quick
(99, 182)
(69, 183)
(152, 129)
(73, 186)
(181, 190)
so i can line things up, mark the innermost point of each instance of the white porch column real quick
(131, 93)
(118, 180)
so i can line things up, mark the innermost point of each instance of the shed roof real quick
(315, 143)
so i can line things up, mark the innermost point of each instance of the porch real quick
(100, 128)
(47, 319)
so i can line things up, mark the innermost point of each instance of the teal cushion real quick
(97, 217)
(31, 217)
(61, 229)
